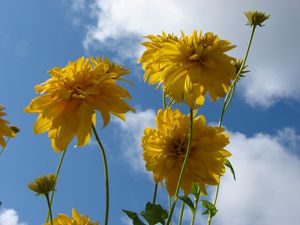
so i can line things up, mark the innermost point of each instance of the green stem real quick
(227, 102)
(56, 173)
(196, 206)
(171, 102)
(181, 213)
(49, 208)
(169, 205)
(164, 100)
(155, 193)
(4, 146)
(189, 147)
(105, 173)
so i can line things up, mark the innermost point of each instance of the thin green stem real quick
(181, 213)
(170, 205)
(169, 222)
(105, 173)
(155, 193)
(230, 96)
(56, 173)
(164, 100)
(49, 208)
(4, 146)
(171, 102)
(227, 102)
(196, 206)
(231, 91)
(183, 166)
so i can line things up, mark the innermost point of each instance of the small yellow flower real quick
(5, 130)
(76, 219)
(70, 98)
(256, 18)
(43, 185)
(189, 66)
(164, 150)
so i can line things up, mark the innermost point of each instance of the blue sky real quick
(263, 119)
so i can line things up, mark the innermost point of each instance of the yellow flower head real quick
(43, 185)
(70, 98)
(76, 219)
(256, 18)
(190, 66)
(165, 148)
(5, 130)
(150, 65)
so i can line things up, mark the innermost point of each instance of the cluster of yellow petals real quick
(76, 219)
(70, 98)
(5, 130)
(190, 66)
(164, 149)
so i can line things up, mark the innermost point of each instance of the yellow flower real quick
(256, 18)
(76, 219)
(5, 130)
(150, 65)
(70, 98)
(43, 185)
(164, 150)
(190, 66)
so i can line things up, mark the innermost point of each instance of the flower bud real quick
(256, 18)
(43, 185)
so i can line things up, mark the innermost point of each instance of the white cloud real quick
(266, 190)
(273, 63)
(265, 87)
(267, 169)
(9, 217)
(126, 221)
(132, 132)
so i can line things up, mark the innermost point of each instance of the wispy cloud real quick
(131, 133)
(10, 217)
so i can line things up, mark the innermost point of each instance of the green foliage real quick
(195, 189)
(238, 66)
(210, 208)
(227, 163)
(135, 218)
(153, 214)
(187, 201)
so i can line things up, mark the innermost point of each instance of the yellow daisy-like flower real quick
(76, 219)
(150, 65)
(190, 66)
(5, 130)
(70, 98)
(165, 148)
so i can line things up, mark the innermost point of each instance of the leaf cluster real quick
(153, 214)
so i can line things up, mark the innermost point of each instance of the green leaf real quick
(187, 201)
(134, 217)
(228, 164)
(155, 214)
(195, 189)
(210, 208)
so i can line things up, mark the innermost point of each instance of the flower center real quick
(178, 147)
(77, 92)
